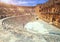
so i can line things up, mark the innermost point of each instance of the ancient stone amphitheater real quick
(14, 31)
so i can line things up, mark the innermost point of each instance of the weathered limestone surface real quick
(17, 34)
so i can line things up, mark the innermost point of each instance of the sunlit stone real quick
(36, 27)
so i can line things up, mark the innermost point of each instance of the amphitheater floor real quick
(53, 36)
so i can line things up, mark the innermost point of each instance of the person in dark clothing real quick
(53, 19)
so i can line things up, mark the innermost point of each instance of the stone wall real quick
(7, 10)
(49, 12)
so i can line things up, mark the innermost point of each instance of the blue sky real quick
(24, 2)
